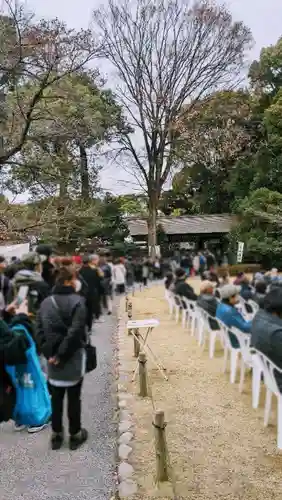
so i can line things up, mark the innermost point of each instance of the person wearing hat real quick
(182, 288)
(266, 330)
(30, 276)
(228, 313)
(206, 299)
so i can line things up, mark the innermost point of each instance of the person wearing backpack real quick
(61, 336)
(30, 275)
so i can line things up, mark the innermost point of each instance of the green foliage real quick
(260, 224)
(113, 227)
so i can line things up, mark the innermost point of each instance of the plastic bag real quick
(33, 404)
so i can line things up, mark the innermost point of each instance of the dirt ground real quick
(218, 447)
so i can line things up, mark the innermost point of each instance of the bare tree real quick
(34, 55)
(167, 53)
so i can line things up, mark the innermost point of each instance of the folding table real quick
(148, 325)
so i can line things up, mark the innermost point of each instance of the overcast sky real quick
(262, 16)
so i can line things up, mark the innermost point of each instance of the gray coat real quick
(61, 333)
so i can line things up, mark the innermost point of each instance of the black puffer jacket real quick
(61, 332)
(183, 289)
(13, 346)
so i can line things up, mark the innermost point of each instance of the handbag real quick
(90, 350)
(33, 403)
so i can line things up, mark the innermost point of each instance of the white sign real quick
(240, 251)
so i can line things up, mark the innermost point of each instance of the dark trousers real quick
(121, 289)
(74, 408)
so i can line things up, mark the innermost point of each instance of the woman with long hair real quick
(61, 336)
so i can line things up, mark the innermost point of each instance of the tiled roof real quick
(194, 224)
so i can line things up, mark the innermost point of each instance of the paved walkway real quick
(30, 471)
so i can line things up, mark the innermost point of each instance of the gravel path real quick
(30, 471)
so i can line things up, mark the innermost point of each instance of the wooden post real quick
(136, 343)
(129, 314)
(143, 382)
(161, 448)
(129, 309)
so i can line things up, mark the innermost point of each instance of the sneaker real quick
(57, 440)
(78, 439)
(37, 428)
(19, 427)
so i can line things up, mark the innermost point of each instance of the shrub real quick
(240, 268)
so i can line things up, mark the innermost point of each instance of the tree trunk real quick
(84, 174)
(152, 227)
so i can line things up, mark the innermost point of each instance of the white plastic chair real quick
(254, 306)
(270, 381)
(170, 300)
(248, 360)
(190, 314)
(213, 334)
(229, 349)
(177, 306)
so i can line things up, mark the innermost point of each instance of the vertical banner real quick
(240, 251)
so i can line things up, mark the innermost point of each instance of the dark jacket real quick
(209, 304)
(184, 290)
(266, 337)
(94, 282)
(48, 273)
(4, 286)
(246, 292)
(13, 346)
(60, 330)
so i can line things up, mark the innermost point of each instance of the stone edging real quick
(127, 486)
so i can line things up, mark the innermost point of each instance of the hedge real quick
(240, 268)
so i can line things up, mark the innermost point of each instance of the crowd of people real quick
(50, 303)
(233, 301)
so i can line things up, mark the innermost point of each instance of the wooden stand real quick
(136, 343)
(161, 448)
(143, 381)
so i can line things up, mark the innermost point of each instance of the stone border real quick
(127, 486)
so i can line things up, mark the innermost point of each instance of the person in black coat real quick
(260, 293)
(48, 269)
(182, 288)
(92, 287)
(13, 346)
(61, 336)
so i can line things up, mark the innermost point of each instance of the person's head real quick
(180, 274)
(169, 277)
(2, 263)
(260, 287)
(273, 302)
(230, 294)
(86, 260)
(207, 288)
(66, 276)
(274, 272)
(102, 260)
(45, 251)
(94, 260)
(14, 259)
(245, 281)
(32, 261)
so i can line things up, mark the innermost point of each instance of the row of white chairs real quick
(199, 322)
